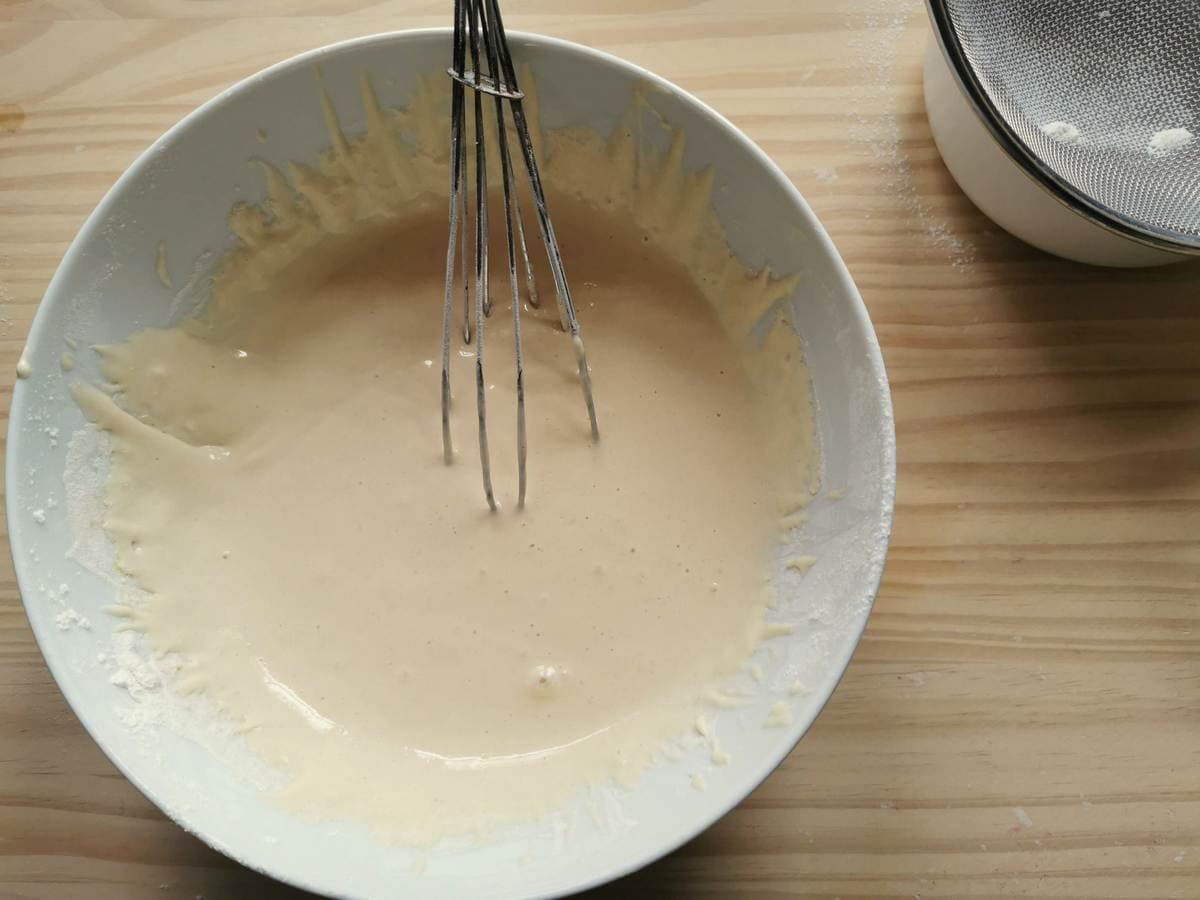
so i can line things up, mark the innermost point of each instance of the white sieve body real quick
(1097, 100)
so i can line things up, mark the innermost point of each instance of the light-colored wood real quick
(1035, 652)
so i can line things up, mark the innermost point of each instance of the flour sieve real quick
(1074, 124)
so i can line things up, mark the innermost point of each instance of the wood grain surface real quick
(1023, 716)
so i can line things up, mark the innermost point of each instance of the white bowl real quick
(180, 192)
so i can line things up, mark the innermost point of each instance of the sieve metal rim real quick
(1019, 152)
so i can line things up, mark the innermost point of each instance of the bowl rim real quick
(845, 285)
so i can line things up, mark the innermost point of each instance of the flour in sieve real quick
(1063, 132)
(1168, 140)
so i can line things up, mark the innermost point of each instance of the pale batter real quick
(405, 656)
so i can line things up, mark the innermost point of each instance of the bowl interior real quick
(179, 193)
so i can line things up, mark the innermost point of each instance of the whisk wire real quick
(566, 307)
(479, 33)
(490, 41)
(457, 174)
(483, 304)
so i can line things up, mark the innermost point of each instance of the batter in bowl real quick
(404, 656)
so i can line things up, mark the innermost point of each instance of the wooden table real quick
(1021, 718)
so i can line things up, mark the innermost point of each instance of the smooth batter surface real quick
(405, 656)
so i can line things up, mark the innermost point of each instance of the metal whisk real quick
(479, 31)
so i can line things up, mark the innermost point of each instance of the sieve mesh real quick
(1097, 91)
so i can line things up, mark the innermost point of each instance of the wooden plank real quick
(1021, 718)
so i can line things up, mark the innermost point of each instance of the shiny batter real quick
(406, 657)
